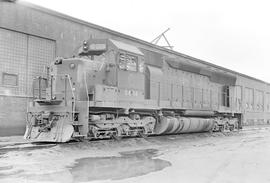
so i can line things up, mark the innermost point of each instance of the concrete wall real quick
(12, 115)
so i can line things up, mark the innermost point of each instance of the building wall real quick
(67, 34)
(12, 115)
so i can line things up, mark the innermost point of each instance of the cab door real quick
(238, 98)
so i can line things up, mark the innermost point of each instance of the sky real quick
(231, 33)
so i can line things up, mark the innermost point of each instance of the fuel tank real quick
(196, 125)
(176, 125)
(168, 125)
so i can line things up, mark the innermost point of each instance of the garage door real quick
(22, 57)
(13, 56)
(41, 53)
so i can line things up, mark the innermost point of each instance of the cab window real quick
(122, 61)
(128, 62)
(141, 65)
(131, 62)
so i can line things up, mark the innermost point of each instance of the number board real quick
(97, 47)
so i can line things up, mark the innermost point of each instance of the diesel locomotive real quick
(111, 90)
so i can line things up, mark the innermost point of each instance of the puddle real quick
(5, 171)
(129, 164)
(5, 168)
(9, 174)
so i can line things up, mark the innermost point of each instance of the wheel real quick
(215, 127)
(115, 137)
(143, 133)
(227, 126)
(92, 133)
(236, 127)
(221, 128)
(117, 134)
(231, 128)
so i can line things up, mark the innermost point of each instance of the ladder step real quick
(75, 124)
(78, 136)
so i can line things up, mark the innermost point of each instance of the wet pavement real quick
(200, 157)
(129, 164)
(107, 160)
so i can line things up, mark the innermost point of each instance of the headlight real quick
(72, 66)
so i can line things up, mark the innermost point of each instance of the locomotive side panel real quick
(267, 105)
(254, 101)
(214, 96)
(153, 77)
(192, 90)
(131, 85)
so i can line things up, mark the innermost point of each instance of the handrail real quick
(86, 87)
(39, 89)
(51, 87)
(65, 91)
(73, 96)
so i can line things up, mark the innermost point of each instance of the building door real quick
(22, 57)
(13, 62)
(238, 98)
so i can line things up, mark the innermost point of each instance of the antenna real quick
(156, 40)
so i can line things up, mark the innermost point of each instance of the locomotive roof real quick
(126, 47)
(128, 37)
